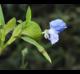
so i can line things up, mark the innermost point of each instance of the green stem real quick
(23, 64)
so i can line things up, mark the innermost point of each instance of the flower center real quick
(46, 34)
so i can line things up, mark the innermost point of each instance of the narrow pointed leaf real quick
(16, 33)
(2, 22)
(39, 47)
(6, 29)
(28, 15)
(10, 26)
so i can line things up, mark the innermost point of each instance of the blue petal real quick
(58, 24)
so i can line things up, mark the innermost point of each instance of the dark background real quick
(65, 54)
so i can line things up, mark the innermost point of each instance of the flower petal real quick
(58, 24)
(54, 37)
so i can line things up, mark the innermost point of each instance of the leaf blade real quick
(2, 22)
(40, 48)
(28, 15)
(10, 25)
(16, 33)
(6, 29)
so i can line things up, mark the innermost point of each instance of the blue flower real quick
(56, 26)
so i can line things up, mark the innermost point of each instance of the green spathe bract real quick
(33, 30)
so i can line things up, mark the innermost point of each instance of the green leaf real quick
(2, 22)
(19, 21)
(33, 30)
(39, 47)
(6, 29)
(28, 15)
(16, 33)
(9, 26)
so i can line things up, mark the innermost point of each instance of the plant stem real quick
(23, 64)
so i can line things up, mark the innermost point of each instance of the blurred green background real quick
(65, 54)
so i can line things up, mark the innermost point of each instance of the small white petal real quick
(46, 36)
(54, 37)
